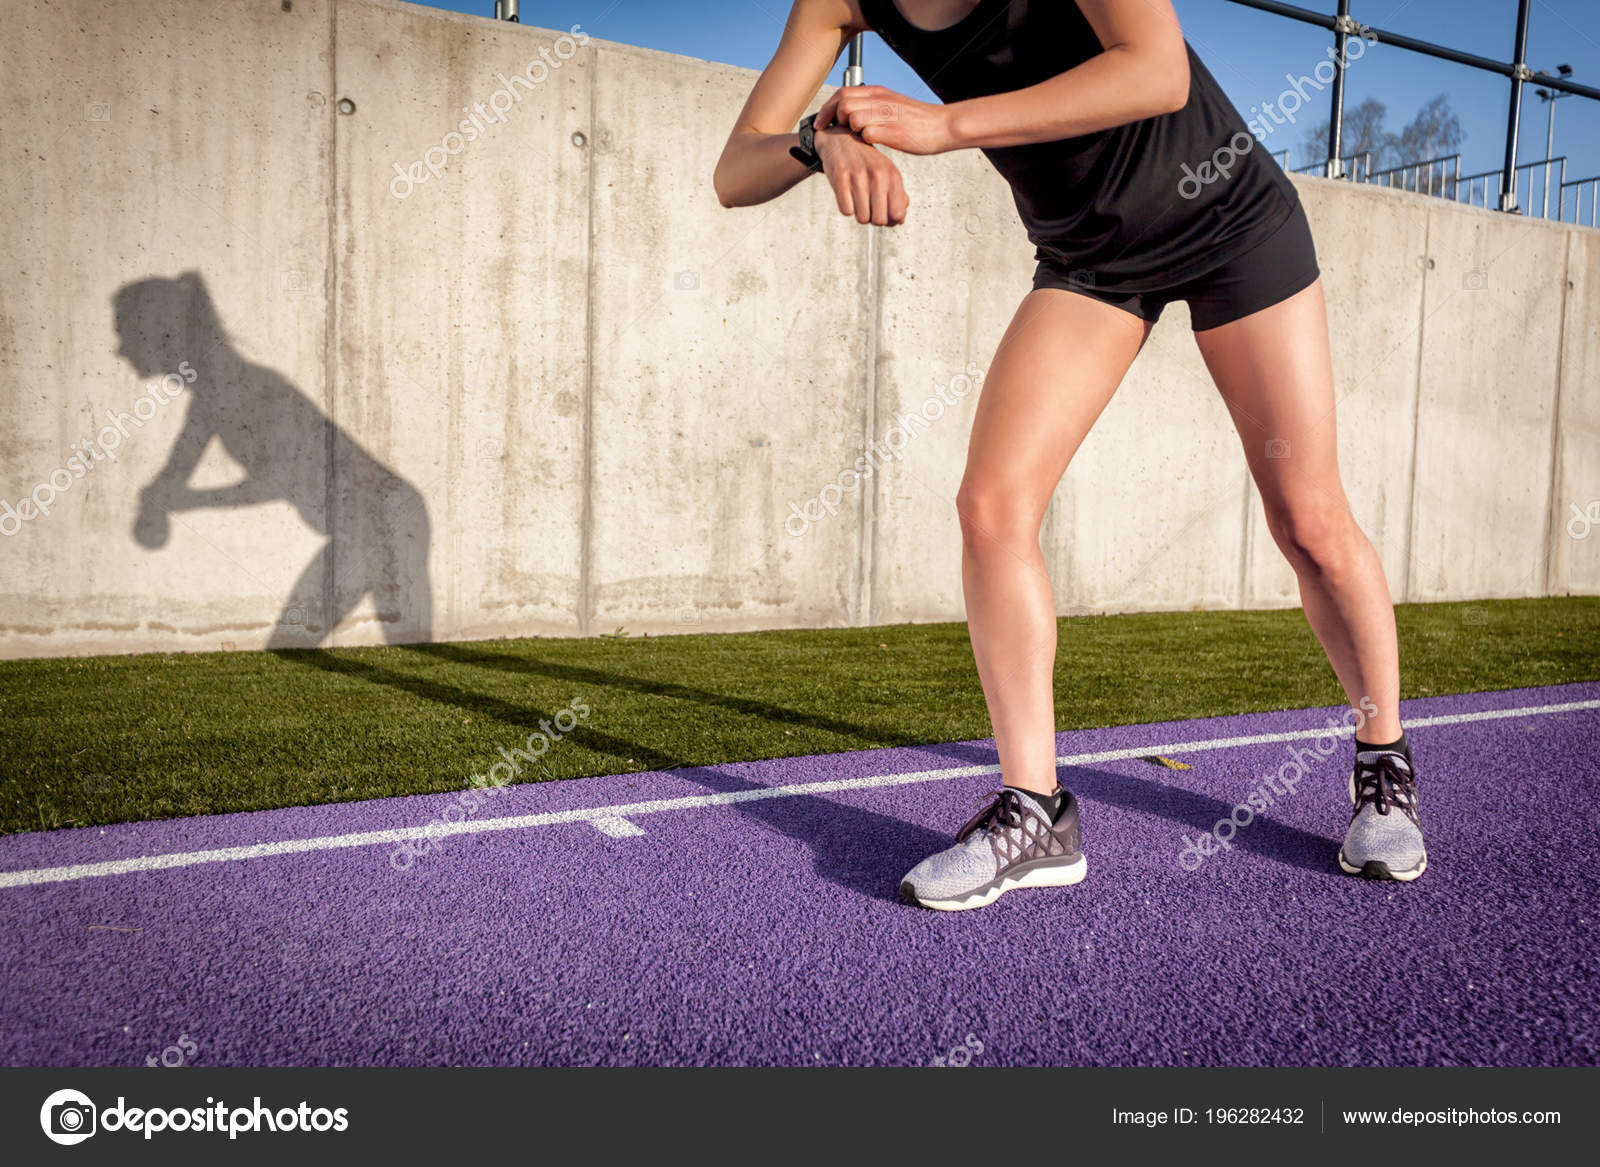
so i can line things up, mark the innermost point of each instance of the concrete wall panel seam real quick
(1552, 526)
(330, 331)
(586, 596)
(1416, 399)
(867, 504)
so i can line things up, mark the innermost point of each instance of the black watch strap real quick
(806, 151)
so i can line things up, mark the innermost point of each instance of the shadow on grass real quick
(511, 713)
(749, 707)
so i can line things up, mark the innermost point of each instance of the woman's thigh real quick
(1060, 361)
(1275, 375)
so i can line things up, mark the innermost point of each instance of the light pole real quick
(1550, 97)
(507, 10)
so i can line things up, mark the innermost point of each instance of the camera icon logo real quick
(1277, 448)
(686, 281)
(68, 1117)
(1475, 279)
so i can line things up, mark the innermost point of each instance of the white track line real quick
(605, 816)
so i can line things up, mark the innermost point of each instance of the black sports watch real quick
(806, 151)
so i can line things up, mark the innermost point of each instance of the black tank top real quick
(1126, 204)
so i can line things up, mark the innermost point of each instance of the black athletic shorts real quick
(1272, 271)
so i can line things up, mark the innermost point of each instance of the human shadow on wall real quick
(375, 522)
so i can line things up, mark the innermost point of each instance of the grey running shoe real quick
(1384, 839)
(1010, 843)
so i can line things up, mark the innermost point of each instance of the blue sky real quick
(1248, 51)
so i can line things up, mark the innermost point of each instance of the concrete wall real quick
(555, 388)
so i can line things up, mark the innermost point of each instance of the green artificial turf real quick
(109, 739)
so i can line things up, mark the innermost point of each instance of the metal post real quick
(1341, 38)
(506, 10)
(1519, 74)
(1552, 96)
(853, 73)
(1549, 149)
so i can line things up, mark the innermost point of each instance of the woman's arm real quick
(169, 490)
(756, 166)
(1143, 72)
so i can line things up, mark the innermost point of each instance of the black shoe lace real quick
(1385, 783)
(1000, 810)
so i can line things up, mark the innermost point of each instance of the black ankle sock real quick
(1049, 803)
(1398, 746)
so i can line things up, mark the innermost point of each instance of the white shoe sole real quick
(1044, 875)
(1377, 869)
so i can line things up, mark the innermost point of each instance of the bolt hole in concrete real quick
(346, 106)
(578, 139)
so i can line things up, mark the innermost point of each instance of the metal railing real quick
(1432, 176)
(1540, 180)
(1471, 185)
(1578, 185)
(1517, 70)
(1354, 167)
(1493, 180)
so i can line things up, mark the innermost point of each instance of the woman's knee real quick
(1318, 537)
(996, 513)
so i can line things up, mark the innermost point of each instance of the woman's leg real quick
(1274, 372)
(1060, 361)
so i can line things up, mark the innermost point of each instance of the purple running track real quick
(750, 923)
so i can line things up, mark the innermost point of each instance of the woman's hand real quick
(883, 117)
(864, 181)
